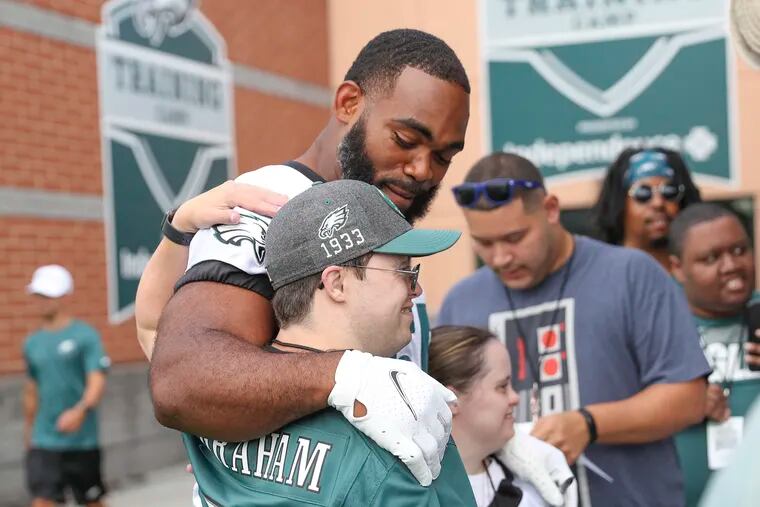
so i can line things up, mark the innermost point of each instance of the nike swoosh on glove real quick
(544, 466)
(407, 410)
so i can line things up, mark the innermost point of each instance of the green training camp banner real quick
(570, 83)
(166, 109)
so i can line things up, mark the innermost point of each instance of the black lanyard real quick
(534, 370)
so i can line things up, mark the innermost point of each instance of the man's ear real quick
(333, 278)
(676, 269)
(551, 207)
(349, 102)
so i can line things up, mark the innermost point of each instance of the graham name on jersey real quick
(275, 457)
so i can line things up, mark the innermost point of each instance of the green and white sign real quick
(166, 126)
(573, 82)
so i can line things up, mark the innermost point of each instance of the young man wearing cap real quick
(642, 193)
(339, 262)
(66, 377)
(605, 357)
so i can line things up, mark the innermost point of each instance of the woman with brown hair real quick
(475, 365)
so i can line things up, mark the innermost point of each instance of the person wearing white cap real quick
(66, 368)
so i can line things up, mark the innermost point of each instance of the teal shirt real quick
(320, 460)
(58, 362)
(722, 341)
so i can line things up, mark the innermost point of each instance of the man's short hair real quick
(509, 166)
(381, 61)
(694, 215)
(292, 303)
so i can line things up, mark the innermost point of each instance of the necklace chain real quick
(534, 371)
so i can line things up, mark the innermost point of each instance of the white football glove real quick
(544, 466)
(407, 410)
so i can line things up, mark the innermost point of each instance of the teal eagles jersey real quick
(722, 341)
(320, 460)
(58, 362)
(243, 247)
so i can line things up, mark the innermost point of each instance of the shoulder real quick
(278, 178)
(616, 257)
(31, 340)
(472, 283)
(84, 330)
(82, 326)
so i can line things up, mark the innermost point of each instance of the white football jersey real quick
(243, 245)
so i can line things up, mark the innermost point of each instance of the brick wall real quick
(50, 140)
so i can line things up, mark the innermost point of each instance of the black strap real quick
(590, 423)
(172, 233)
(535, 369)
(506, 494)
(305, 170)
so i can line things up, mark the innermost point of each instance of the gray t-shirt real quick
(621, 325)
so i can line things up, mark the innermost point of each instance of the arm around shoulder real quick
(210, 377)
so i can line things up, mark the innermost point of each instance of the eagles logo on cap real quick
(333, 222)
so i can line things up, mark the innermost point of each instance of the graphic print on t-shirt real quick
(549, 349)
(547, 352)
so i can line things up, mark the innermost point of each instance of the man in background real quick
(605, 359)
(642, 193)
(712, 258)
(65, 381)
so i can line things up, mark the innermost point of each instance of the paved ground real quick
(169, 487)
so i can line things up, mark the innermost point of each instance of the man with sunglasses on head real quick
(642, 192)
(604, 366)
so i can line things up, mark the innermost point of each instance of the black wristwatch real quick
(590, 423)
(172, 234)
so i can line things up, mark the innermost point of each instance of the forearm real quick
(212, 384)
(93, 391)
(654, 413)
(166, 266)
(30, 406)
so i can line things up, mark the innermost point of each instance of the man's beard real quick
(356, 165)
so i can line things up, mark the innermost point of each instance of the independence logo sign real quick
(166, 124)
(572, 83)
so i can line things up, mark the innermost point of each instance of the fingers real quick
(716, 407)
(429, 448)
(413, 457)
(447, 394)
(541, 431)
(256, 199)
(752, 352)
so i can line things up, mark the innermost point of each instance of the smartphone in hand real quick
(753, 324)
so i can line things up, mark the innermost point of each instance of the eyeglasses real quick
(413, 274)
(669, 191)
(497, 191)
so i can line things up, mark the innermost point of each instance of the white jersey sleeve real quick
(241, 247)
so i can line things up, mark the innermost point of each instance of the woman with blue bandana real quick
(643, 191)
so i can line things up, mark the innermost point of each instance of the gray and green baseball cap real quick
(332, 223)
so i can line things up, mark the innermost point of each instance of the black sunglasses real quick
(669, 191)
(497, 191)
